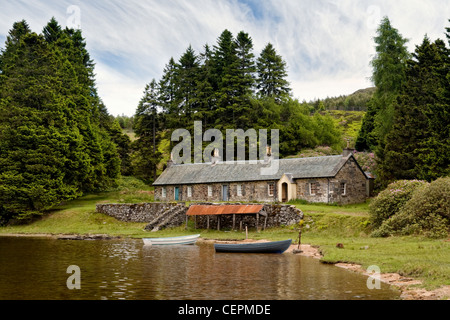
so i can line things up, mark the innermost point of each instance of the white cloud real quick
(327, 44)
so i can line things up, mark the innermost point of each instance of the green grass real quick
(324, 226)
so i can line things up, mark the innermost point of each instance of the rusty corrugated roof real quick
(206, 210)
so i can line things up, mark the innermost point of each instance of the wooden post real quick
(218, 223)
(257, 222)
(246, 233)
(265, 222)
(234, 220)
(240, 226)
(299, 238)
(207, 222)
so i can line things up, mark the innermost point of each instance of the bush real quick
(391, 200)
(366, 160)
(426, 213)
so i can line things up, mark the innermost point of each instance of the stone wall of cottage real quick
(347, 187)
(249, 191)
(355, 184)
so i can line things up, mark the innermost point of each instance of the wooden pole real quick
(218, 223)
(240, 225)
(246, 233)
(257, 222)
(207, 222)
(299, 238)
(265, 222)
(234, 220)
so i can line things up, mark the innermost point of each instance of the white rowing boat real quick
(185, 240)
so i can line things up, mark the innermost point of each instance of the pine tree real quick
(187, 73)
(87, 109)
(147, 126)
(389, 65)
(227, 82)
(204, 96)
(168, 93)
(272, 75)
(37, 144)
(418, 144)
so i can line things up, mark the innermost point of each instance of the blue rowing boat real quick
(259, 247)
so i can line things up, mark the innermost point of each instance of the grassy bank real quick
(324, 226)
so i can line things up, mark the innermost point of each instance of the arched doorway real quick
(284, 192)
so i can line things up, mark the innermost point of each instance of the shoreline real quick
(404, 284)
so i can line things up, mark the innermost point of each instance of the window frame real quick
(313, 191)
(271, 189)
(239, 190)
(343, 188)
(210, 191)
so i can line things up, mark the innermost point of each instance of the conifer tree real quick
(147, 126)
(389, 65)
(187, 73)
(37, 145)
(272, 75)
(418, 144)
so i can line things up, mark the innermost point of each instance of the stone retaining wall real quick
(277, 215)
(142, 212)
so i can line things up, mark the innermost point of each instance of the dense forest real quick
(57, 140)
(225, 87)
(407, 123)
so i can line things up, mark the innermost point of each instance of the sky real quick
(327, 44)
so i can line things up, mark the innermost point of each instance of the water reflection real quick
(36, 269)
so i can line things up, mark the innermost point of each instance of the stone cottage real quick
(329, 179)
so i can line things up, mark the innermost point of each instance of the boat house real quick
(329, 179)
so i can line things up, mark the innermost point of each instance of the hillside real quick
(356, 101)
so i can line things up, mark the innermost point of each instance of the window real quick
(313, 188)
(189, 191)
(210, 191)
(239, 190)
(343, 188)
(271, 189)
(163, 192)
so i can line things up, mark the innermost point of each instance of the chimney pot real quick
(347, 152)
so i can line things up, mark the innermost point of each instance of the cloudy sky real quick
(327, 44)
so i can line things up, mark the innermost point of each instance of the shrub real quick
(426, 213)
(391, 200)
(366, 160)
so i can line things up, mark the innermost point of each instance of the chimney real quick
(170, 162)
(347, 152)
(216, 157)
(268, 156)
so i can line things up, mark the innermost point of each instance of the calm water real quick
(125, 269)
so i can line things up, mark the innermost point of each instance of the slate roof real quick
(223, 172)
